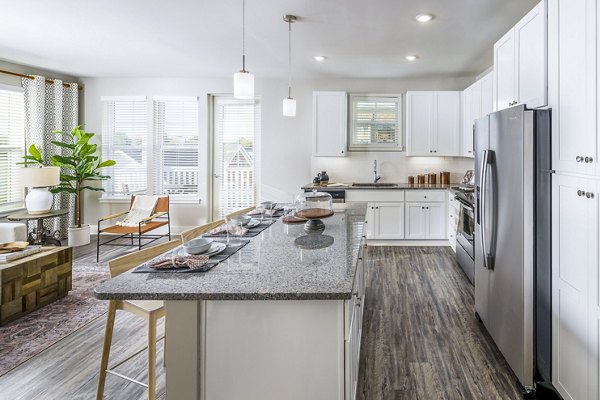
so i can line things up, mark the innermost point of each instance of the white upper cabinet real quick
(487, 94)
(477, 102)
(330, 122)
(572, 85)
(433, 123)
(520, 62)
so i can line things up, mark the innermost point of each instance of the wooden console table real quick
(32, 282)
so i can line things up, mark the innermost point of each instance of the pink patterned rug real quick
(24, 338)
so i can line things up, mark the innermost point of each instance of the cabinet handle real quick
(427, 208)
(469, 151)
(589, 159)
(579, 159)
(431, 151)
(435, 151)
(377, 208)
(589, 195)
(580, 193)
(422, 208)
(342, 151)
(424, 197)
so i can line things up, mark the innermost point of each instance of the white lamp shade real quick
(35, 177)
(243, 85)
(289, 107)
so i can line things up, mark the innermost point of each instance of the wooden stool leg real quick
(152, 357)
(108, 332)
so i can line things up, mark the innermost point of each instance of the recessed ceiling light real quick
(320, 58)
(411, 57)
(424, 17)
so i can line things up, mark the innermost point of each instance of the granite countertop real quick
(270, 267)
(397, 186)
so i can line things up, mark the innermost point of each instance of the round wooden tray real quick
(314, 213)
(292, 219)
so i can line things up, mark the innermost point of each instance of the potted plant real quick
(79, 165)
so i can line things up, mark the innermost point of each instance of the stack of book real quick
(15, 255)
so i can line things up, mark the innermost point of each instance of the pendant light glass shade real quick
(243, 81)
(289, 107)
(289, 104)
(243, 85)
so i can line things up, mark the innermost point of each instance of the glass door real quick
(235, 132)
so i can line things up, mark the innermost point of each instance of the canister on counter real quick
(411, 180)
(445, 178)
(421, 179)
(431, 178)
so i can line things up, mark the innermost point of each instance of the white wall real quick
(285, 161)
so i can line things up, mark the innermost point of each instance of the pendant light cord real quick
(290, 58)
(244, 36)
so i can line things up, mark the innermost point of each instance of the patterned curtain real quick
(49, 107)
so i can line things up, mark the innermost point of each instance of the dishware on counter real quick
(214, 249)
(431, 178)
(411, 180)
(197, 245)
(421, 179)
(315, 205)
(241, 219)
(445, 178)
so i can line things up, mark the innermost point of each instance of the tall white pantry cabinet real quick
(573, 96)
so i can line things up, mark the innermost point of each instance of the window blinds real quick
(176, 149)
(375, 123)
(12, 147)
(124, 139)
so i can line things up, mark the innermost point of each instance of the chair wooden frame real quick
(159, 218)
(190, 234)
(243, 211)
(150, 310)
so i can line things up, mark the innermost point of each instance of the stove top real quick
(465, 194)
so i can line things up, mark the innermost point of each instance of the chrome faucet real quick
(375, 176)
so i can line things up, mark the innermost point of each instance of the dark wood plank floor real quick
(420, 341)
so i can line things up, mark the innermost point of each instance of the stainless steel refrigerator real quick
(512, 232)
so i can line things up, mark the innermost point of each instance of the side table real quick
(39, 235)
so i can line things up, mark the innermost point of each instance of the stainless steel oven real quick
(465, 236)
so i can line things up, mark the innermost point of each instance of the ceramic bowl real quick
(197, 246)
(241, 219)
(268, 204)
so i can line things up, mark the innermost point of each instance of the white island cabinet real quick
(279, 319)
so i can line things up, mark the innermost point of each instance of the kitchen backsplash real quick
(392, 167)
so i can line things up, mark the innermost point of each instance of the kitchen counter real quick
(397, 186)
(270, 267)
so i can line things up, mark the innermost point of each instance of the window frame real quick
(8, 208)
(399, 146)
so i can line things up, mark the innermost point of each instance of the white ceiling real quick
(202, 38)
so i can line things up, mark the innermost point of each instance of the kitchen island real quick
(280, 319)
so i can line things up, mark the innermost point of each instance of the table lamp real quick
(39, 180)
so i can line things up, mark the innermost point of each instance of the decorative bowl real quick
(241, 219)
(198, 245)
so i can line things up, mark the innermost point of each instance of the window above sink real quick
(375, 122)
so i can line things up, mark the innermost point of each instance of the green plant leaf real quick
(107, 163)
(64, 160)
(63, 189)
(61, 144)
(35, 153)
(96, 189)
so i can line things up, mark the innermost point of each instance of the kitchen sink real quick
(371, 184)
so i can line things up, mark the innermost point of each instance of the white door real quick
(370, 221)
(414, 223)
(435, 221)
(572, 84)
(330, 110)
(504, 72)
(419, 123)
(236, 130)
(531, 45)
(390, 220)
(447, 124)
(575, 287)
(467, 122)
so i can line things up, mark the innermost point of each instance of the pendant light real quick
(243, 81)
(289, 104)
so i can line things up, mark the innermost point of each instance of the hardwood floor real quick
(420, 341)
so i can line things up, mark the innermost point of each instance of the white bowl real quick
(198, 245)
(268, 204)
(241, 219)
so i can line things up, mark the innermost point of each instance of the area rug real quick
(22, 339)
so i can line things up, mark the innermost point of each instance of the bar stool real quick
(150, 310)
(190, 234)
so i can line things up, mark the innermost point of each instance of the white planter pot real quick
(79, 236)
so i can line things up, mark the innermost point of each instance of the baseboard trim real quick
(408, 243)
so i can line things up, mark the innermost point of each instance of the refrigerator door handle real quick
(483, 185)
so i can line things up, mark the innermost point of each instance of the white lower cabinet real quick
(425, 221)
(453, 209)
(575, 291)
(385, 220)
(354, 313)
